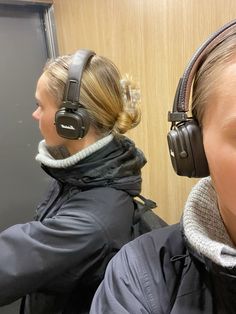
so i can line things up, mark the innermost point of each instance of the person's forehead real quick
(40, 85)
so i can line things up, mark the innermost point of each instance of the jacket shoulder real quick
(109, 207)
(141, 276)
(169, 238)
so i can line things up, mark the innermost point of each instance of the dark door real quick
(23, 52)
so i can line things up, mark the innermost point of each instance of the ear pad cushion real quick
(187, 151)
(73, 124)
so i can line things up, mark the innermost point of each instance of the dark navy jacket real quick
(158, 274)
(58, 260)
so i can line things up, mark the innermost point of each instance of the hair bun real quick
(130, 116)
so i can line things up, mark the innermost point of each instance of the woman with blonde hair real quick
(190, 267)
(57, 261)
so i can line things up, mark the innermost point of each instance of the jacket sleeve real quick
(32, 255)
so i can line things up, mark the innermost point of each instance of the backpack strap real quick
(142, 206)
(145, 219)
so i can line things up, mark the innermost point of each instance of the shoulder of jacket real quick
(97, 207)
(147, 262)
(156, 250)
(168, 237)
(100, 190)
(99, 196)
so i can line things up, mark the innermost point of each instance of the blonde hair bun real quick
(131, 115)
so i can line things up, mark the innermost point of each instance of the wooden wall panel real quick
(152, 40)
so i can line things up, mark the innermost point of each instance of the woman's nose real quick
(35, 114)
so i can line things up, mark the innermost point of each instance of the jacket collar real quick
(117, 164)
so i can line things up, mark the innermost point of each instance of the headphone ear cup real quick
(186, 150)
(72, 125)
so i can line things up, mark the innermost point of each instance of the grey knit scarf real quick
(45, 158)
(204, 228)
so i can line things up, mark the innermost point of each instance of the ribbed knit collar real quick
(45, 158)
(204, 228)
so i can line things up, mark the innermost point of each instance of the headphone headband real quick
(79, 62)
(181, 103)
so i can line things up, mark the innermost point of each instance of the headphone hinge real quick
(177, 116)
(70, 105)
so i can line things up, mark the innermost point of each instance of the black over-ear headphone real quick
(185, 137)
(72, 120)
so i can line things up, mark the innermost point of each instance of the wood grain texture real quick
(152, 40)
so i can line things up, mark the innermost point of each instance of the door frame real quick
(48, 20)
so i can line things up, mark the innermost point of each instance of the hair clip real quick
(131, 94)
